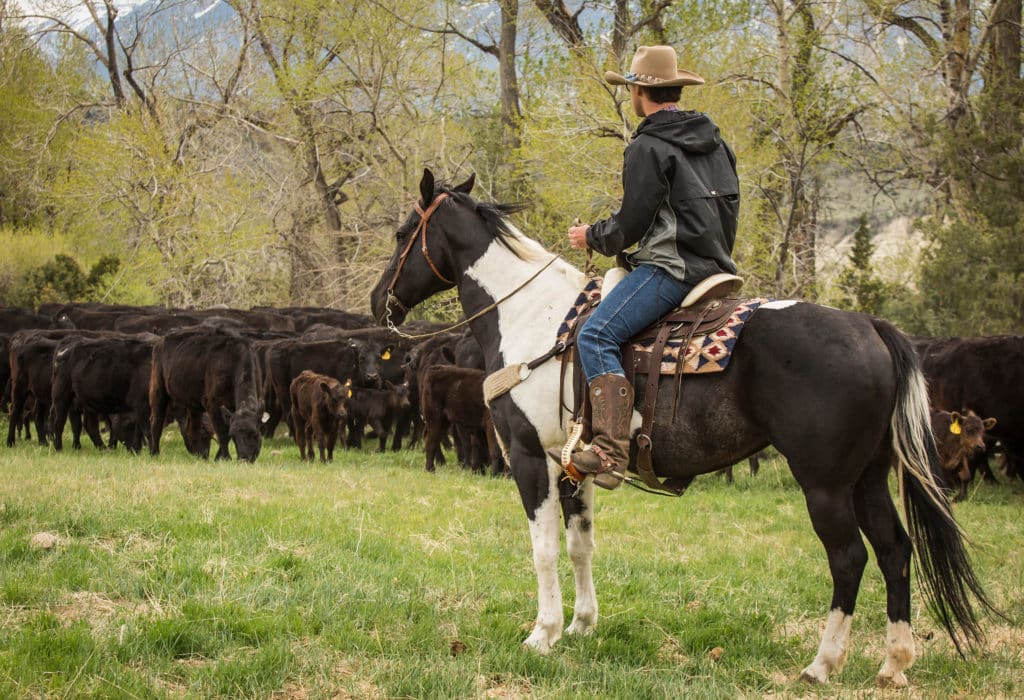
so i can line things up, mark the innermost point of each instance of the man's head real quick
(654, 78)
(649, 99)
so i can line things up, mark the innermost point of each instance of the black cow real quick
(984, 374)
(454, 397)
(13, 319)
(212, 371)
(103, 376)
(31, 367)
(345, 360)
(376, 408)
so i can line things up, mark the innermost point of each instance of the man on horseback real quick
(680, 206)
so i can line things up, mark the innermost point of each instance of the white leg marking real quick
(899, 655)
(580, 545)
(544, 529)
(832, 650)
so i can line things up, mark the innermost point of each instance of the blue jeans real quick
(645, 295)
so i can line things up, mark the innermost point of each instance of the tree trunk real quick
(509, 82)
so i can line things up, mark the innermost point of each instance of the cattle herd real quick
(327, 376)
(238, 376)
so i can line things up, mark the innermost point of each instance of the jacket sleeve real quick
(644, 188)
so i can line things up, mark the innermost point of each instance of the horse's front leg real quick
(578, 510)
(538, 489)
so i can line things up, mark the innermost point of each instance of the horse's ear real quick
(427, 187)
(467, 186)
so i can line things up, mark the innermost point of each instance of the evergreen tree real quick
(862, 290)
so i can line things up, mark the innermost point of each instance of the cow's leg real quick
(58, 419)
(19, 393)
(832, 514)
(42, 416)
(159, 402)
(91, 422)
(75, 416)
(433, 427)
(332, 440)
(537, 480)
(321, 441)
(880, 522)
(220, 430)
(578, 511)
(299, 436)
(381, 426)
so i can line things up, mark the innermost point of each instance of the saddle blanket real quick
(705, 353)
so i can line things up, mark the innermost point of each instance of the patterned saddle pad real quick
(705, 353)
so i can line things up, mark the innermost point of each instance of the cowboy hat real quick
(654, 66)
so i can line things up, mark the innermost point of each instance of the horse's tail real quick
(950, 584)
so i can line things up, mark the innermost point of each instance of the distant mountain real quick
(160, 22)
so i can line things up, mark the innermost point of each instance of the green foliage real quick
(62, 280)
(861, 288)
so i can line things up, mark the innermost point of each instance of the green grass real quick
(176, 577)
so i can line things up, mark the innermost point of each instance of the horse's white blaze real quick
(528, 327)
(544, 528)
(899, 655)
(833, 648)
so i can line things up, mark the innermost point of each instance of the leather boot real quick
(607, 457)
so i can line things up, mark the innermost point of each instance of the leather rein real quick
(421, 234)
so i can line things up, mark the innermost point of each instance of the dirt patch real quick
(503, 687)
(98, 610)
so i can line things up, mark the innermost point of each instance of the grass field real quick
(370, 578)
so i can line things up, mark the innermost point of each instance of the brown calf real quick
(959, 437)
(318, 405)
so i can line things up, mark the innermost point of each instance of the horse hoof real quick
(539, 642)
(813, 676)
(896, 680)
(582, 629)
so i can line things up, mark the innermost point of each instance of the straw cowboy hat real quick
(655, 66)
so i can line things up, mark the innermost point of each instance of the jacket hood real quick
(691, 131)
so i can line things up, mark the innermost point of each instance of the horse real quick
(839, 394)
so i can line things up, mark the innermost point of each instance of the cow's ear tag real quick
(349, 394)
(348, 382)
(954, 427)
(386, 355)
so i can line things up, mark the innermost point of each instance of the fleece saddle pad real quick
(704, 354)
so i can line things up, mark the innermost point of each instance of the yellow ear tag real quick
(349, 394)
(348, 382)
(954, 427)
(386, 355)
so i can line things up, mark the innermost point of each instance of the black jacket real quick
(680, 198)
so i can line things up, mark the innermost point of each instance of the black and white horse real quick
(839, 394)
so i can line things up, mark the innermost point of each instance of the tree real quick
(863, 291)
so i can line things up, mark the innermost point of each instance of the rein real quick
(421, 233)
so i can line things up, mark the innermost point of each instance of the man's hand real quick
(578, 236)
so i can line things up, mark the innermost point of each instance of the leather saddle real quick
(704, 310)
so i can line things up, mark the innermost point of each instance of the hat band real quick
(634, 77)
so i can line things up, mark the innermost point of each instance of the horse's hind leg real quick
(832, 514)
(579, 542)
(877, 517)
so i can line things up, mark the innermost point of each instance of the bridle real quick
(420, 233)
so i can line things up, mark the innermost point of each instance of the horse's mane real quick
(495, 217)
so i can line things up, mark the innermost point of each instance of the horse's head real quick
(423, 263)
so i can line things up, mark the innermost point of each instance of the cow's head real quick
(970, 430)
(398, 395)
(335, 397)
(369, 353)
(244, 429)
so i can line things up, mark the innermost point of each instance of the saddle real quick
(706, 309)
